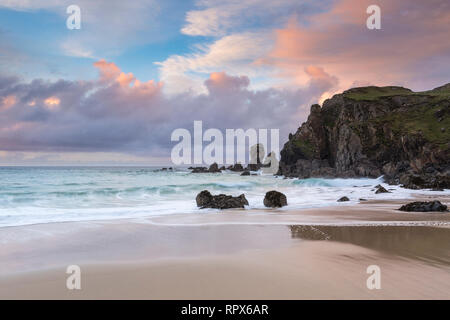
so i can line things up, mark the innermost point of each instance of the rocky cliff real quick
(373, 131)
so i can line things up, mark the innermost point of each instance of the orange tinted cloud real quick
(7, 102)
(52, 102)
(110, 72)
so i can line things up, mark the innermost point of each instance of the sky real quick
(112, 92)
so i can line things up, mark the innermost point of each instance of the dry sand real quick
(308, 254)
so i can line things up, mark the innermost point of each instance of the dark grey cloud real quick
(94, 116)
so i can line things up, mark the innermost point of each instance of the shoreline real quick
(236, 254)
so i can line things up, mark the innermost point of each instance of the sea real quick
(35, 195)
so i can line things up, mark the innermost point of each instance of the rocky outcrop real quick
(381, 189)
(206, 200)
(374, 131)
(343, 199)
(214, 168)
(236, 168)
(428, 206)
(275, 199)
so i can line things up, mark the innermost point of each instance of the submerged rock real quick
(427, 206)
(343, 199)
(245, 173)
(275, 199)
(206, 200)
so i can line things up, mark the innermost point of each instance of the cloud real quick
(411, 48)
(137, 118)
(234, 53)
(221, 17)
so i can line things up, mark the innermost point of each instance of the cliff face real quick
(373, 131)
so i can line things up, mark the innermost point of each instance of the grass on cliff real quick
(373, 93)
(421, 120)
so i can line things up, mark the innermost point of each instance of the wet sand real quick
(308, 254)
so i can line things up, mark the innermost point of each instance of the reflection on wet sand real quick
(425, 243)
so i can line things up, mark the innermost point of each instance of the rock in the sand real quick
(206, 200)
(381, 189)
(427, 206)
(245, 173)
(275, 199)
(343, 199)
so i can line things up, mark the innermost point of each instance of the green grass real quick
(373, 93)
(420, 120)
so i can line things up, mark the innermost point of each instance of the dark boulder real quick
(275, 199)
(199, 170)
(237, 168)
(214, 168)
(343, 199)
(381, 189)
(206, 200)
(245, 173)
(427, 206)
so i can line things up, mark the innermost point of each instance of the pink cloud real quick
(411, 49)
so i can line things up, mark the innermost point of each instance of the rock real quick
(245, 173)
(427, 206)
(206, 200)
(237, 167)
(362, 199)
(275, 199)
(343, 199)
(381, 189)
(199, 170)
(222, 168)
(372, 131)
(214, 168)
(427, 180)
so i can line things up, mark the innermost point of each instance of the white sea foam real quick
(44, 195)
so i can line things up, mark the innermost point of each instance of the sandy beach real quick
(234, 255)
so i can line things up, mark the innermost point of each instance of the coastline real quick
(239, 254)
